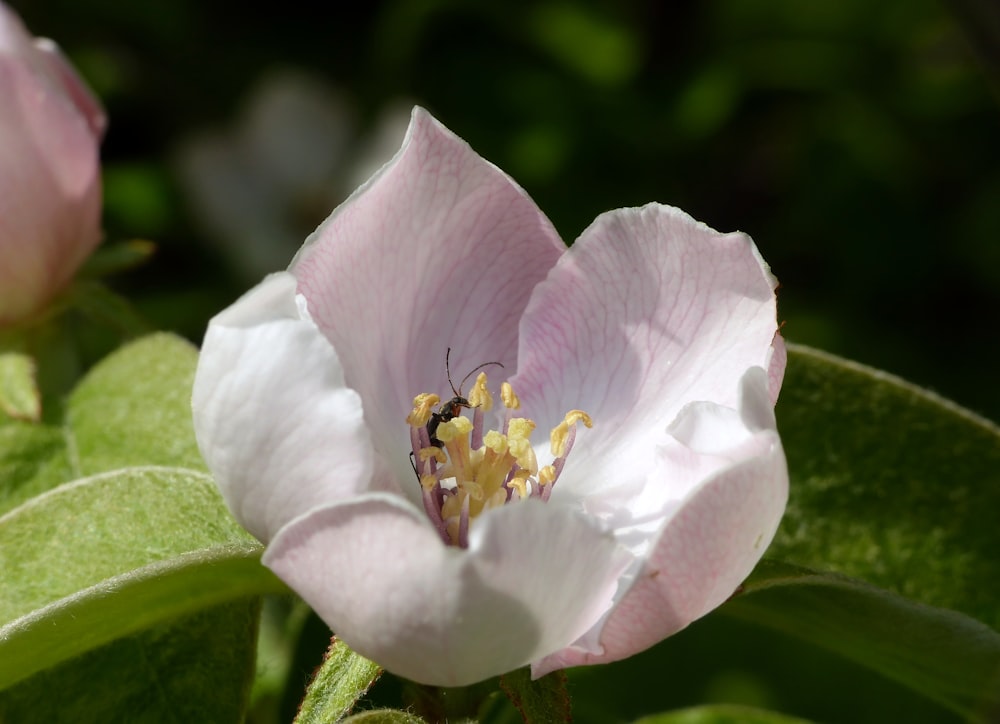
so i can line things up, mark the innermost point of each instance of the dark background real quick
(856, 141)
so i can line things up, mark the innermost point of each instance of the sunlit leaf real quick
(890, 484)
(110, 555)
(135, 408)
(33, 459)
(129, 589)
(898, 490)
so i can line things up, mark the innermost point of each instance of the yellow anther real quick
(520, 427)
(479, 396)
(426, 453)
(560, 433)
(455, 427)
(468, 481)
(518, 440)
(423, 405)
(510, 399)
(495, 441)
(520, 484)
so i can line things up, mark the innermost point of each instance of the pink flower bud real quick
(50, 185)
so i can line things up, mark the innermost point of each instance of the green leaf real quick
(383, 716)
(890, 484)
(135, 408)
(340, 681)
(19, 395)
(33, 459)
(115, 258)
(947, 656)
(107, 556)
(720, 714)
(900, 489)
(195, 669)
(540, 701)
(130, 593)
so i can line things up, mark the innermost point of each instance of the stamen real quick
(463, 525)
(546, 478)
(454, 434)
(432, 503)
(467, 469)
(479, 396)
(564, 433)
(510, 402)
(510, 399)
(422, 411)
(520, 430)
(562, 438)
(519, 483)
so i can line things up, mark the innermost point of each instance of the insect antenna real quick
(447, 369)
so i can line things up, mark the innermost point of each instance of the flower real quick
(50, 186)
(316, 387)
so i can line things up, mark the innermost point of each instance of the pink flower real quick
(661, 330)
(50, 186)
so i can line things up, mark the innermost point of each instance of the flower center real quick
(464, 470)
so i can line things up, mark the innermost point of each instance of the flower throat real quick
(464, 470)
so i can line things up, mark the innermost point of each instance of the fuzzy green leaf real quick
(890, 484)
(384, 716)
(135, 409)
(106, 556)
(338, 683)
(33, 459)
(194, 669)
(129, 590)
(891, 524)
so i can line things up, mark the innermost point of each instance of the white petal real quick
(647, 312)
(275, 422)
(533, 579)
(711, 541)
(439, 249)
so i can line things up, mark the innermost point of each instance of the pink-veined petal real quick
(439, 249)
(275, 422)
(648, 311)
(533, 579)
(712, 541)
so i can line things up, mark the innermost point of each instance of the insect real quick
(453, 407)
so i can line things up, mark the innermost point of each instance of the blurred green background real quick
(857, 142)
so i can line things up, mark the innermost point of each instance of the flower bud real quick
(50, 185)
